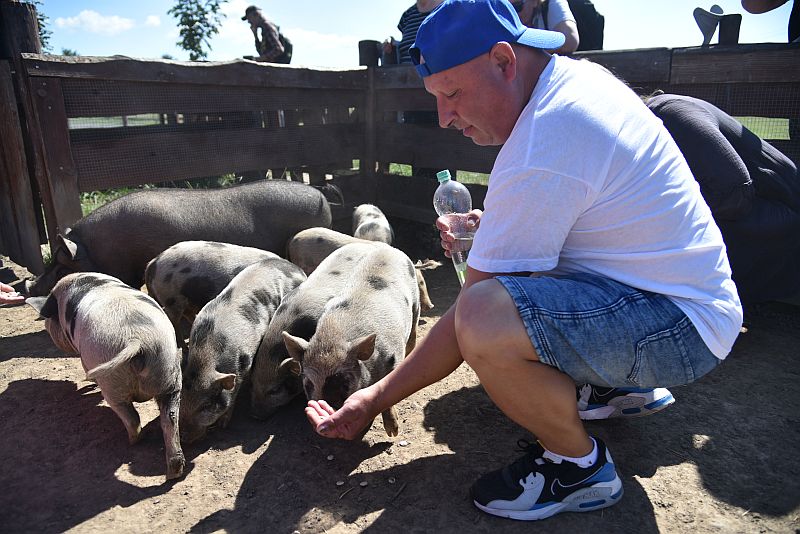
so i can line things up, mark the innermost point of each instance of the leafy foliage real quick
(42, 21)
(69, 52)
(198, 21)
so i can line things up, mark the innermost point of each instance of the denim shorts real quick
(605, 333)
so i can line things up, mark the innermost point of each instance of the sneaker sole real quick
(628, 406)
(600, 495)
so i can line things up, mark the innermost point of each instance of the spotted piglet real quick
(187, 275)
(308, 248)
(275, 379)
(224, 339)
(371, 224)
(127, 345)
(364, 332)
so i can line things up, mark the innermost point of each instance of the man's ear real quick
(502, 54)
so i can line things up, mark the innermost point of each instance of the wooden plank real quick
(155, 157)
(641, 65)
(60, 173)
(397, 77)
(369, 146)
(18, 228)
(431, 146)
(18, 29)
(731, 64)
(404, 100)
(108, 98)
(239, 72)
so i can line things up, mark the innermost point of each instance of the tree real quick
(69, 52)
(198, 21)
(42, 20)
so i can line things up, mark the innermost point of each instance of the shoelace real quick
(529, 461)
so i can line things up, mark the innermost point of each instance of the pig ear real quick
(363, 348)
(46, 306)
(290, 365)
(226, 381)
(67, 246)
(295, 345)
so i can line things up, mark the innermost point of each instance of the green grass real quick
(144, 119)
(767, 128)
(464, 177)
(92, 200)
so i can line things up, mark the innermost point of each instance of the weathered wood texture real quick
(18, 34)
(61, 174)
(110, 122)
(239, 72)
(19, 237)
(133, 122)
(18, 24)
(432, 147)
(150, 155)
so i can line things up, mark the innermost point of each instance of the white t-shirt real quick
(557, 12)
(590, 181)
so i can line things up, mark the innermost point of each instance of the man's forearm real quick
(434, 358)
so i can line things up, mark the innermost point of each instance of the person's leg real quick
(529, 340)
(565, 470)
(537, 396)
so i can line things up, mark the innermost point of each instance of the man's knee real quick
(488, 326)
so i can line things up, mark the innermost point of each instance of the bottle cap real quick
(443, 176)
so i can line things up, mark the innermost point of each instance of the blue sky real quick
(326, 33)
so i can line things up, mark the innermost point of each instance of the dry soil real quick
(723, 458)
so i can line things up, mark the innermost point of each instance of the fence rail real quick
(99, 123)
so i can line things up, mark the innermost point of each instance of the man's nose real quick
(446, 114)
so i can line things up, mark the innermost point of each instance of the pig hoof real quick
(390, 423)
(175, 467)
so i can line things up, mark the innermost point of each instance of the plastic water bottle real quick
(452, 200)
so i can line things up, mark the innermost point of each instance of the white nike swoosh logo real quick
(563, 486)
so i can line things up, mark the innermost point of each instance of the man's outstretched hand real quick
(348, 422)
(9, 296)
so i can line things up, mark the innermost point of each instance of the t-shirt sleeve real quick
(528, 215)
(557, 12)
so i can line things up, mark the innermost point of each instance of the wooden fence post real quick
(21, 210)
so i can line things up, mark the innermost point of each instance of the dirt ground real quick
(724, 458)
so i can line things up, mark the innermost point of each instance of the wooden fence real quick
(99, 123)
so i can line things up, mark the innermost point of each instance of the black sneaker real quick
(595, 402)
(538, 485)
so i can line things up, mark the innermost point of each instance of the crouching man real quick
(596, 261)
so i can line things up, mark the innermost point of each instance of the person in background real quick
(409, 23)
(763, 6)
(272, 46)
(595, 262)
(408, 26)
(753, 191)
(559, 18)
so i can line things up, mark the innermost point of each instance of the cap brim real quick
(544, 39)
(244, 18)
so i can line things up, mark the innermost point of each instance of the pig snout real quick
(263, 405)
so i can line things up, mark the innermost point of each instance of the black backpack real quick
(286, 57)
(590, 23)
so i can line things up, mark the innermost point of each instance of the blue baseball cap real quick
(460, 30)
